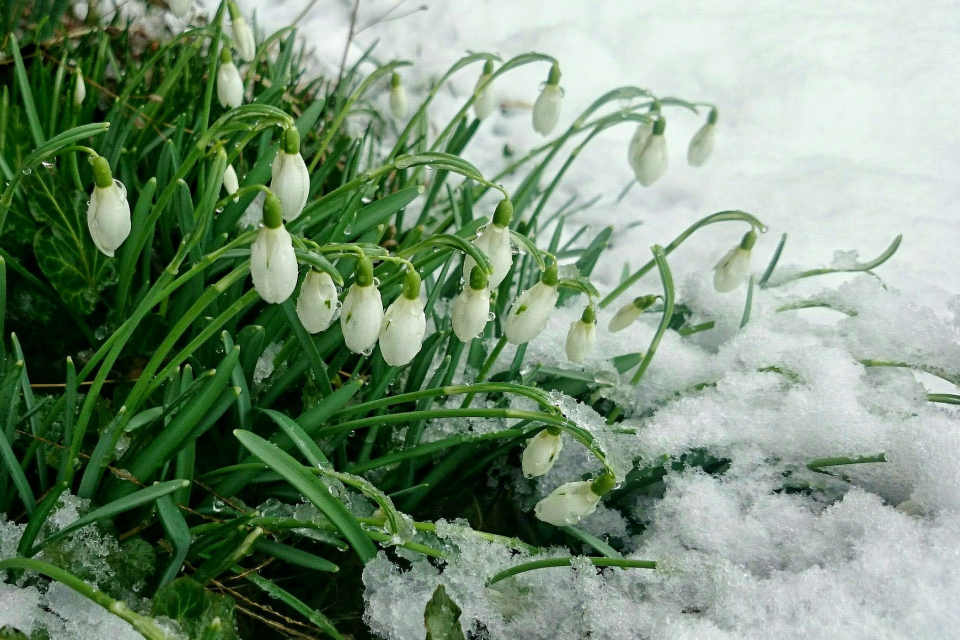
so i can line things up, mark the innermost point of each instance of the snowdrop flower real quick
(628, 314)
(108, 214)
(495, 244)
(362, 313)
(571, 502)
(582, 335)
(180, 8)
(273, 263)
(229, 83)
(291, 179)
(701, 145)
(541, 452)
(650, 163)
(317, 303)
(486, 99)
(734, 267)
(79, 89)
(530, 312)
(231, 183)
(243, 40)
(546, 110)
(637, 142)
(404, 324)
(398, 98)
(471, 309)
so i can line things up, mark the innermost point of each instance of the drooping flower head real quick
(361, 316)
(530, 313)
(180, 8)
(79, 88)
(273, 262)
(650, 163)
(582, 335)
(108, 214)
(541, 452)
(404, 324)
(229, 82)
(398, 97)
(573, 501)
(546, 110)
(231, 184)
(494, 241)
(471, 308)
(701, 145)
(290, 176)
(734, 268)
(243, 40)
(317, 304)
(629, 313)
(485, 101)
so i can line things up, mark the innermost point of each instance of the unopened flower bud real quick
(398, 97)
(701, 145)
(108, 214)
(494, 242)
(180, 8)
(651, 162)
(628, 314)
(471, 308)
(530, 313)
(541, 452)
(485, 101)
(317, 303)
(243, 40)
(546, 110)
(582, 335)
(273, 262)
(404, 324)
(734, 268)
(231, 184)
(290, 177)
(79, 88)
(229, 82)
(361, 316)
(573, 501)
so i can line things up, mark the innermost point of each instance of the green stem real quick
(666, 278)
(485, 369)
(623, 563)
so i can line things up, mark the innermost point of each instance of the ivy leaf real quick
(442, 617)
(63, 247)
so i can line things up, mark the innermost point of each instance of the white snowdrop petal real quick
(401, 335)
(243, 40)
(732, 270)
(580, 340)
(469, 313)
(486, 100)
(361, 318)
(398, 102)
(180, 8)
(229, 86)
(637, 142)
(273, 264)
(495, 244)
(626, 316)
(701, 145)
(291, 183)
(317, 303)
(567, 504)
(529, 314)
(651, 162)
(546, 110)
(540, 454)
(231, 183)
(108, 217)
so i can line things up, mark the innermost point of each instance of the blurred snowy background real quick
(836, 119)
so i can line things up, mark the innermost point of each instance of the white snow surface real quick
(835, 128)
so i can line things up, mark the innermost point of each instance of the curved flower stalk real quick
(701, 145)
(290, 177)
(485, 101)
(541, 452)
(229, 82)
(79, 88)
(532, 310)
(243, 39)
(495, 244)
(398, 97)
(650, 163)
(733, 268)
(471, 309)
(571, 502)
(317, 304)
(582, 335)
(629, 313)
(546, 110)
(273, 263)
(108, 214)
(361, 316)
(404, 324)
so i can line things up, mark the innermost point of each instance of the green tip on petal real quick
(749, 239)
(659, 126)
(411, 285)
(488, 67)
(712, 118)
(272, 212)
(550, 276)
(225, 56)
(589, 315)
(395, 80)
(364, 272)
(603, 484)
(644, 302)
(554, 78)
(291, 141)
